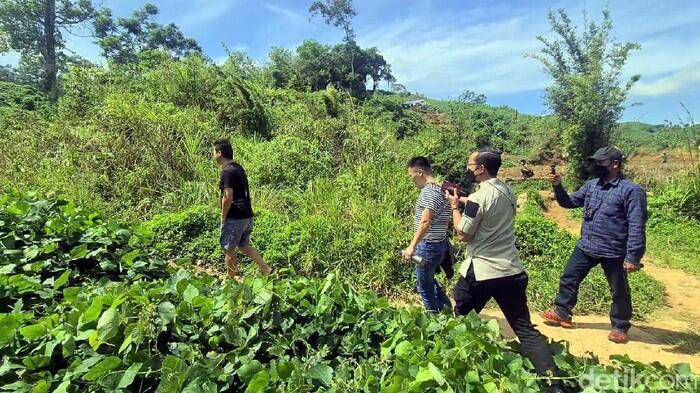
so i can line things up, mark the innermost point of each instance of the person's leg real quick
(231, 263)
(442, 299)
(511, 295)
(469, 295)
(425, 273)
(575, 271)
(253, 254)
(229, 239)
(621, 309)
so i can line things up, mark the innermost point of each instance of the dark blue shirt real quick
(616, 227)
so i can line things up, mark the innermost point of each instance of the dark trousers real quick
(511, 296)
(577, 269)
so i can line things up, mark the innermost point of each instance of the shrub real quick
(284, 162)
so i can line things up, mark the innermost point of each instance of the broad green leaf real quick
(125, 344)
(48, 248)
(70, 294)
(36, 362)
(129, 375)
(423, 375)
(85, 365)
(17, 387)
(128, 258)
(491, 387)
(190, 293)
(92, 312)
(682, 369)
(437, 375)
(68, 345)
(247, 371)
(94, 340)
(63, 387)
(108, 325)
(321, 372)
(403, 349)
(31, 252)
(8, 269)
(166, 310)
(41, 387)
(79, 252)
(103, 367)
(62, 280)
(33, 332)
(172, 375)
(259, 382)
(8, 326)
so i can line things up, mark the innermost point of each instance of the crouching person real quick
(493, 268)
(432, 218)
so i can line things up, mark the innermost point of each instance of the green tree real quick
(338, 13)
(471, 97)
(282, 68)
(587, 92)
(378, 68)
(124, 40)
(36, 28)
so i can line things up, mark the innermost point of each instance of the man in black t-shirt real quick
(236, 210)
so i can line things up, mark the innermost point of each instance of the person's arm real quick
(636, 211)
(566, 200)
(226, 200)
(421, 231)
(465, 224)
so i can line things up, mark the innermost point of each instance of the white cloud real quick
(441, 54)
(440, 57)
(678, 81)
(204, 11)
(285, 13)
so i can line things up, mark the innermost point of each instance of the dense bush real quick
(286, 162)
(49, 244)
(98, 327)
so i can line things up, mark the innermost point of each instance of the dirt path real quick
(669, 336)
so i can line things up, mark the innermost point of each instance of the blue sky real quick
(441, 47)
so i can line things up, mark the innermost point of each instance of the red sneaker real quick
(618, 337)
(553, 319)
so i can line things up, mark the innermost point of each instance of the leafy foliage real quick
(137, 331)
(35, 29)
(123, 40)
(586, 93)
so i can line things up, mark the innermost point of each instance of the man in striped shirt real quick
(429, 242)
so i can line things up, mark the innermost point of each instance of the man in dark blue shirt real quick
(612, 235)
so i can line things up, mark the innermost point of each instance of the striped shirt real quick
(431, 197)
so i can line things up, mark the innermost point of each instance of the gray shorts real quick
(236, 233)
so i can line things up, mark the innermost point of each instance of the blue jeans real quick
(577, 269)
(433, 254)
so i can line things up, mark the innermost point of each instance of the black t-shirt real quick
(233, 176)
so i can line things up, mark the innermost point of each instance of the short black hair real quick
(490, 159)
(223, 146)
(421, 163)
